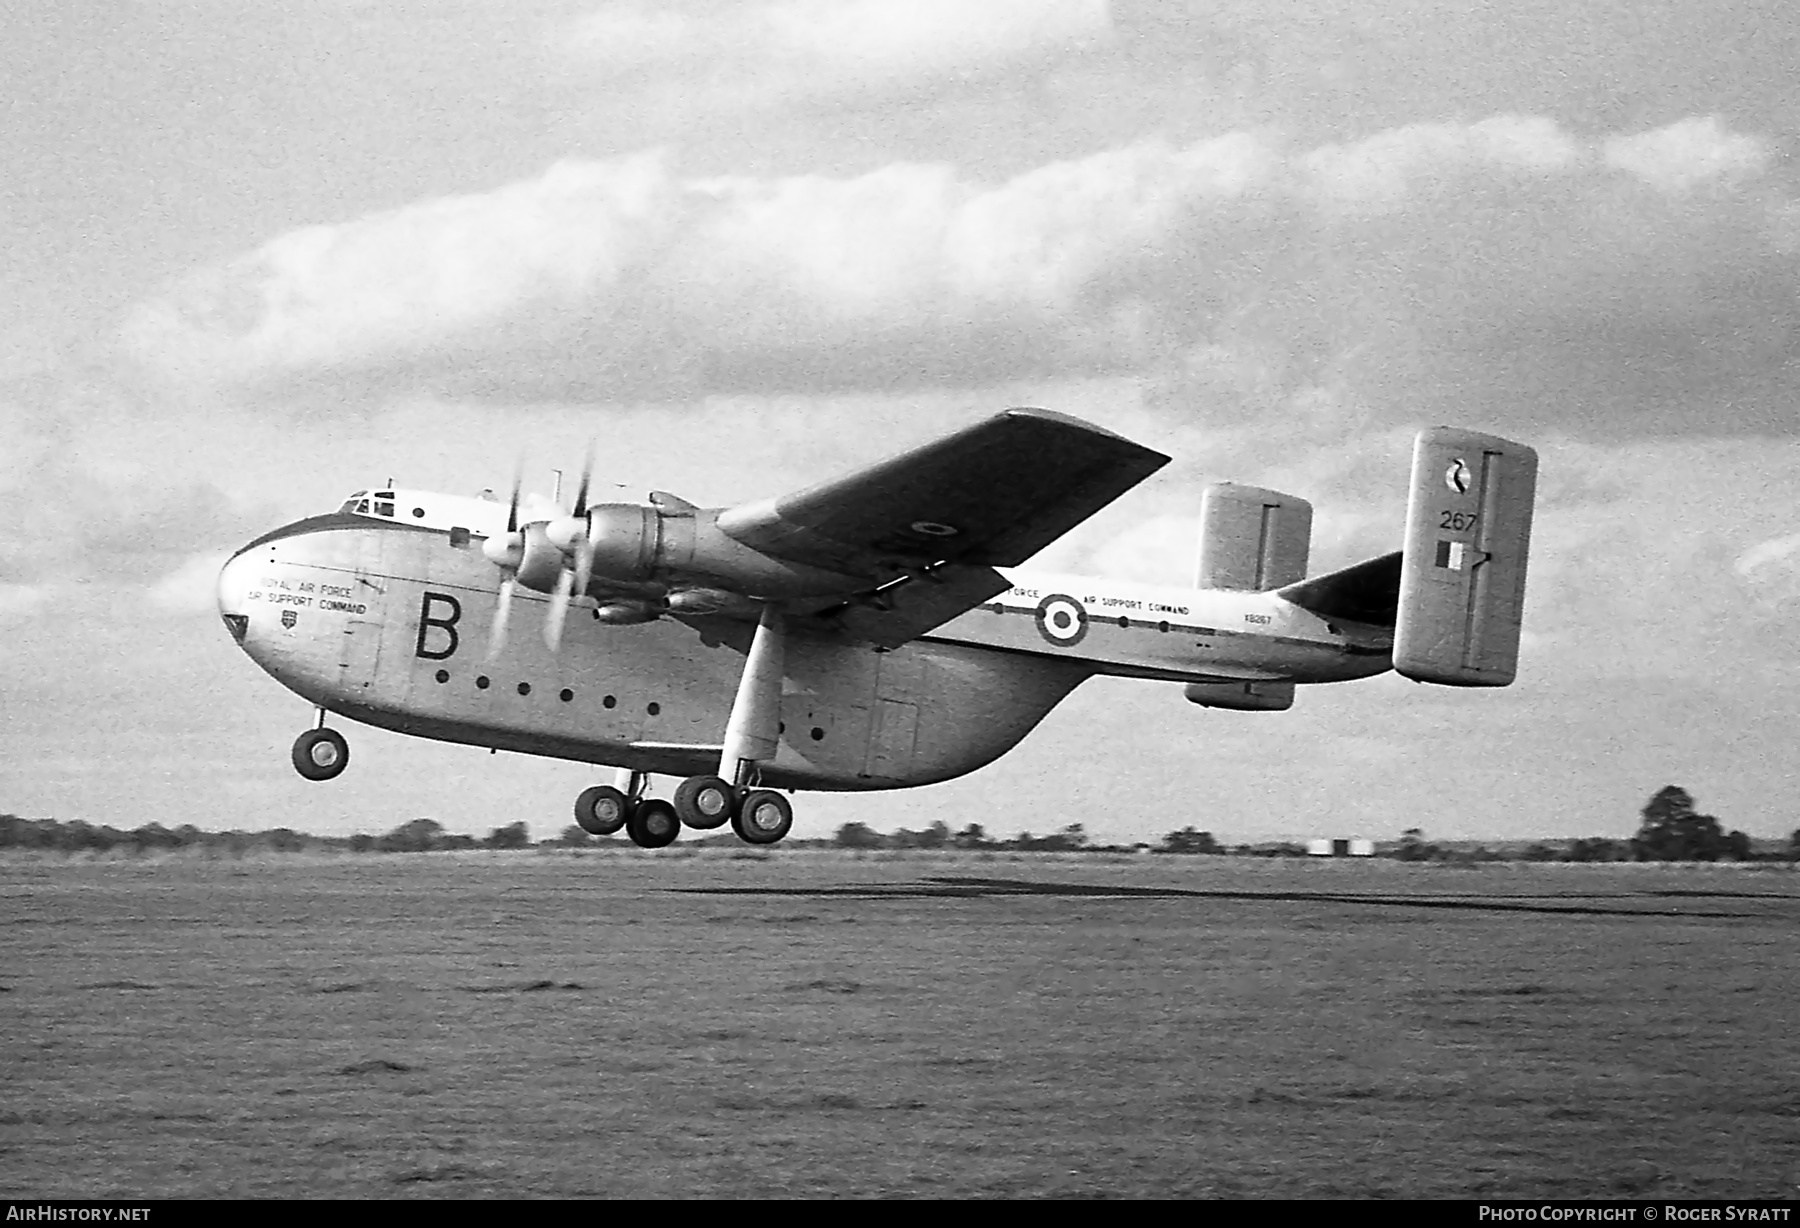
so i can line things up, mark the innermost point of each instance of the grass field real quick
(812, 1024)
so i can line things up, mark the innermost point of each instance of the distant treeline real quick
(418, 836)
(1672, 830)
(1412, 846)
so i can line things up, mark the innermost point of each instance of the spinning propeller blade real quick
(506, 553)
(581, 544)
(502, 611)
(559, 610)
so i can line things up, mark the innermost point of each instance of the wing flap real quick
(908, 609)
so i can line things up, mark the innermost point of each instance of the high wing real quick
(927, 527)
(992, 495)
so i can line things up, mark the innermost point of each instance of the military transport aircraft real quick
(856, 635)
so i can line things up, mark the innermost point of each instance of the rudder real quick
(1462, 578)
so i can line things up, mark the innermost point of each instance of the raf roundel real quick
(933, 528)
(1062, 620)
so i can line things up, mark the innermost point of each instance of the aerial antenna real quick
(556, 490)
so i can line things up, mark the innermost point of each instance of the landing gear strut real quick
(752, 736)
(320, 754)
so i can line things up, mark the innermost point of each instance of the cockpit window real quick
(363, 506)
(384, 509)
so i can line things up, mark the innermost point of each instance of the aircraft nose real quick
(235, 583)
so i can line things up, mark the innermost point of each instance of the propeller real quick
(573, 534)
(506, 553)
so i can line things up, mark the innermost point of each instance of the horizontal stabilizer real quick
(1462, 581)
(1251, 539)
(1368, 592)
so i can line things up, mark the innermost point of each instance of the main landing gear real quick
(604, 809)
(758, 816)
(752, 736)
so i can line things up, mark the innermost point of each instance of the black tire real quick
(705, 802)
(762, 817)
(653, 824)
(320, 754)
(602, 810)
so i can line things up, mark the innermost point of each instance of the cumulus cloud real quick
(1509, 266)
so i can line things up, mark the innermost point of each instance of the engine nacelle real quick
(1252, 539)
(1242, 696)
(626, 540)
(1462, 576)
(680, 549)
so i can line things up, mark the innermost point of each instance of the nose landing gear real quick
(320, 754)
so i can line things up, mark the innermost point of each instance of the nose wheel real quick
(320, 754)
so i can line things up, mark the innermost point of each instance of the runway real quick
(822, 1025)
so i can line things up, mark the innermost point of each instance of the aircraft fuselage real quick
(386, 622)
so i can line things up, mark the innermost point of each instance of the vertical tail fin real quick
(1462, 579)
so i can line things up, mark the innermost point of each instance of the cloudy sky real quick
(255, 255)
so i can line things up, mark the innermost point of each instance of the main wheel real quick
(763, 817)
(320, 754)
(653, 824)
(704, 802)
(602, 810)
